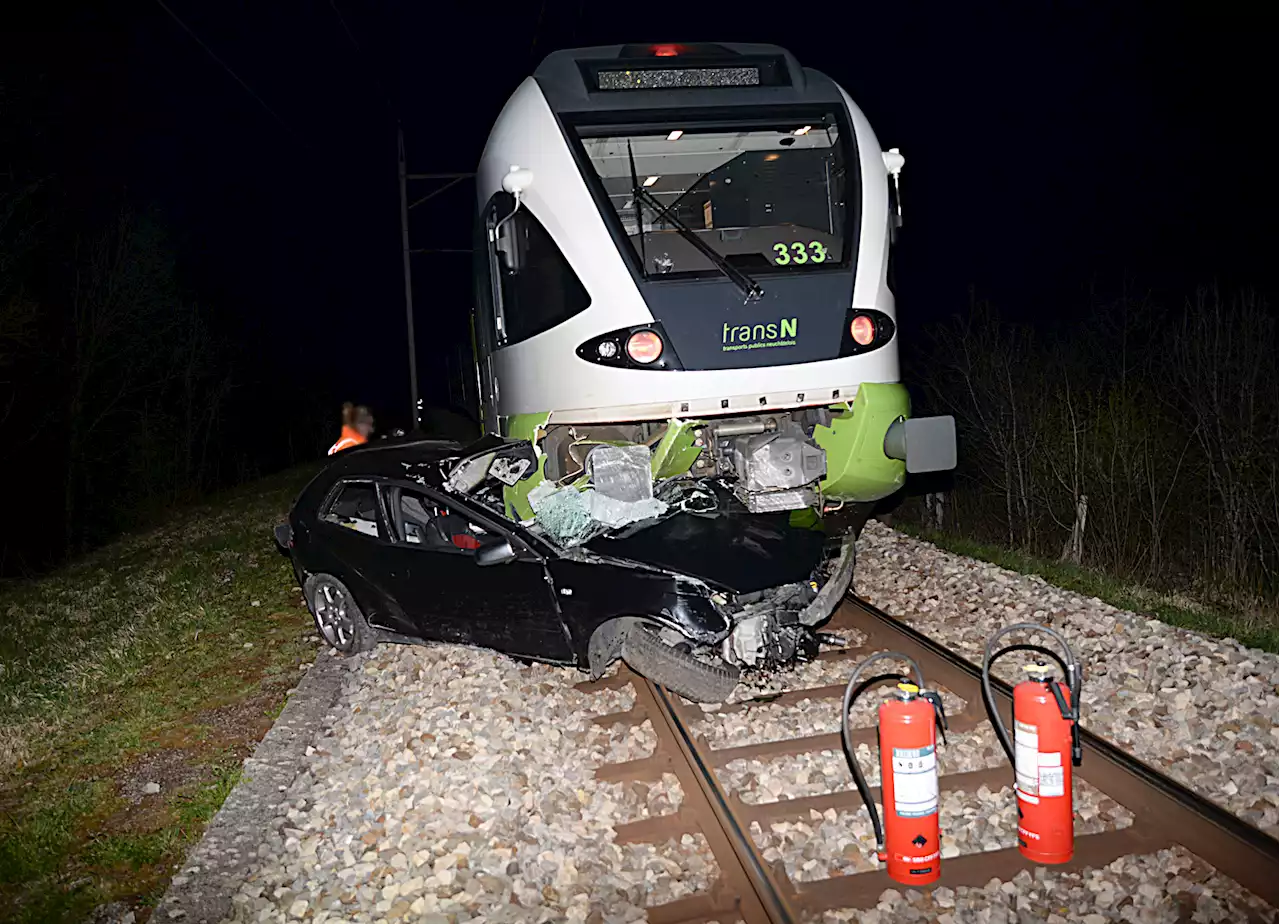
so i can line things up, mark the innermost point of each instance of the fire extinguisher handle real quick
(939, 710)
(1063, 706)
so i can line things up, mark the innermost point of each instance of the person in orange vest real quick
(357, 425)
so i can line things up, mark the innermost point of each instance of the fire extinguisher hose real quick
(1072, 672)
(851, 694)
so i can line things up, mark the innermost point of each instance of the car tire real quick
(678, 671)
(338, 618)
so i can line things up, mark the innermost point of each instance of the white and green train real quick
(686, 247)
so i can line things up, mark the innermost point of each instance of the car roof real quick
(407, 456)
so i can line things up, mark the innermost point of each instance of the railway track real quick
(757, 890)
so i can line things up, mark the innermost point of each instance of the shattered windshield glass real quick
(767, 197)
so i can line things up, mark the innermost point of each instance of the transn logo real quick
(780, 333)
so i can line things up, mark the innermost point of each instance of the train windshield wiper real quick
(750, 288)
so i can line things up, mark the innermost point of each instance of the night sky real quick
(1050, 150)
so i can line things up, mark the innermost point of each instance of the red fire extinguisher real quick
(906, 731)
(1045, 745)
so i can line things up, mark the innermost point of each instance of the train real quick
(686, 247)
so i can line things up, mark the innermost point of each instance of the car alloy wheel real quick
(333, 612)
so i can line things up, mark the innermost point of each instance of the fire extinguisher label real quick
(915, 781)
(1052, 778)
(1026, 758)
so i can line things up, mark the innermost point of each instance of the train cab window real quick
(768, 194)
(534, 288)
(355, 507)
(424, 522)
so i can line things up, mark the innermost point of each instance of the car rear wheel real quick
(678, 671)
(338, 619)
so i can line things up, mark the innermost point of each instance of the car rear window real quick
(356, 507)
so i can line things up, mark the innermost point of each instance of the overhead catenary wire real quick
(373, 71)
(345, 28)
(236, 77)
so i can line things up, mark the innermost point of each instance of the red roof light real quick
(666, 51)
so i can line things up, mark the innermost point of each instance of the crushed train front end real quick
(685, 248)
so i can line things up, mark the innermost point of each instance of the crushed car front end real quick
(677, 576)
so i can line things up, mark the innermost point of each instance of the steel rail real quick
(760, 901)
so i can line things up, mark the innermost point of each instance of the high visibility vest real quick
(348, 439)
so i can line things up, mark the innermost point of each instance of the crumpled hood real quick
(733, 550)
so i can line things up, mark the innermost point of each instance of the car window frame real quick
(331, 496)
(524, 545)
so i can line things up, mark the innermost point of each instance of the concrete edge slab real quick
(201, 891)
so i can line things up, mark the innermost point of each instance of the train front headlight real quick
(863, 330)
(641, 347)
(644, 347)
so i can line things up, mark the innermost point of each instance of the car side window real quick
(425, 522)
(355, 506)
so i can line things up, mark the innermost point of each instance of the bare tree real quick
(20, 228)
(980, 372)
(1223, 361)
(138, 362)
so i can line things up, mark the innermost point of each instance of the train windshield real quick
(767, 197)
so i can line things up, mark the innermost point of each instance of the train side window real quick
(536, 288)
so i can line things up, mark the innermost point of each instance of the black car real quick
(407, 540)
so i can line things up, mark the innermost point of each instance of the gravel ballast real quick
(1166, 887)
(1203, 710)
(454, 785)
(757, 723)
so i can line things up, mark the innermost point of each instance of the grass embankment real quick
(1257, 629)
(160, 659)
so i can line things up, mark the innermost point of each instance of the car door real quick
(508, 607)
(350, 542)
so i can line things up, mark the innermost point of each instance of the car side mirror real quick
(497, 551)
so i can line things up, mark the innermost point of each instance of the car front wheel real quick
(338, 619)
(677, 670)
